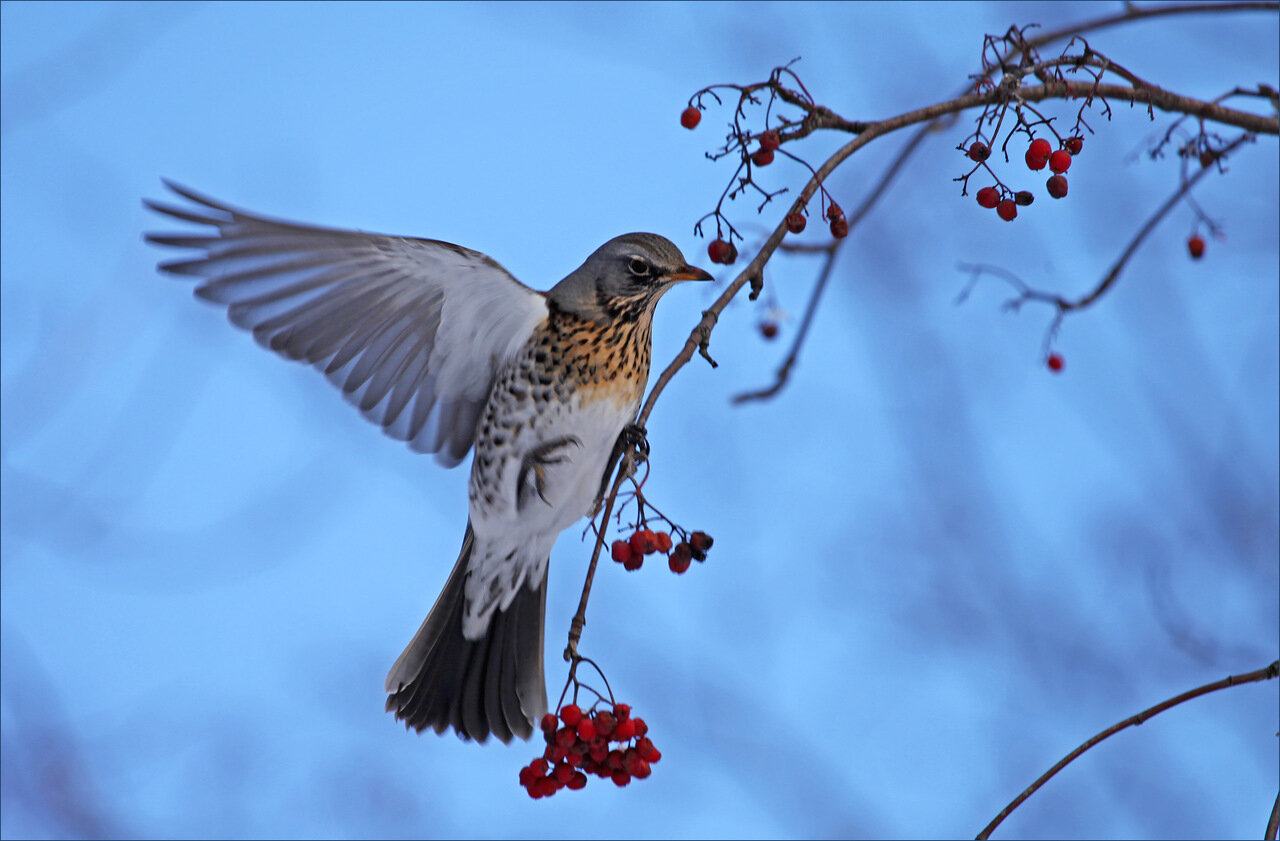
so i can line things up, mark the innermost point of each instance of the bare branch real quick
(1267, 673)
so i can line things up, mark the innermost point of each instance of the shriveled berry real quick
(605, 722)
(634, 562)
(834, 211)
(722, 252)
(979, 151)
(700, 541)
(679, 563)
(988, 197)
(840, 227)
(762, 157)
(1195, 246)
(577, 781)
(1073, 144)
(1008, 210)
(690, 117)
(571, 714)
(621, 551)
(796, 221)
(1023, 198)
(1057, 185)
(1060, 161)
(770, 140)
(1054, 362)
(662, 542)
(1207, 158)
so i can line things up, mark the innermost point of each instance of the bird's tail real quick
(493, 684)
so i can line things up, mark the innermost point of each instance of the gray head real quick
(624, 278)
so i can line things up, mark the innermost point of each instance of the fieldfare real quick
(444, 349)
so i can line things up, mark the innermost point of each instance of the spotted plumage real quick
(442, 348)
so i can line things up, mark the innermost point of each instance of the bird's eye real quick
(638, 267)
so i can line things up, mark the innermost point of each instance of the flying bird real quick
(443, 348)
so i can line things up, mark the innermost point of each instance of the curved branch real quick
(1267, 673)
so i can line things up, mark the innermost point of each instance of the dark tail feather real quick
(490, 685)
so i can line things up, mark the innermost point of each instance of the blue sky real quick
(938, 567)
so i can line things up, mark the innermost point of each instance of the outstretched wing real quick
(412, 330)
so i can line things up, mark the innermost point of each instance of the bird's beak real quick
(689, 273)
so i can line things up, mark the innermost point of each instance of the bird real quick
(444, 349)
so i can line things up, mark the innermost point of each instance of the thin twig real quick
(1267, 673)
(1273, 823)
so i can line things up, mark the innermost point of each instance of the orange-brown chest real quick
(597, 362)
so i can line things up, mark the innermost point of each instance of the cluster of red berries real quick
(1039, 155)
(796, 221)
(581, 746)
(630, 553)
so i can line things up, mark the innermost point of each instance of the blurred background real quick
(938, 566)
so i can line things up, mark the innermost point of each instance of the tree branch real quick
(1267, 673)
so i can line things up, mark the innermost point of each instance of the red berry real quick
(1023, 198)
(770, 141)
(625, 730)
(621, 778)
(988, 197)
(679, 563)
(562, 772)
(700, 541)
(1054, 362)
(549, 723)
(647, 751)
(722, 252)
(834, 211)
(1060, 161)
(978, 151)
(622, 712)
(1008, 210)
(577, 781)
(641, 727)
(527, 776)
(621, 551)
(1195, 245)
(634, 562)
(566, 736)
(769, 329)
(663, 542)
(762, 157)
(640, 769)
(1073, 144)
(1057, 185)
(690, 117)
(1038, 153)
(571, 714)
(546, 786)
(643, 542)
(796, 222)
(539, 767)
(840, 227)
(586, 730)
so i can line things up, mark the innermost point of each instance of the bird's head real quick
(624, 278)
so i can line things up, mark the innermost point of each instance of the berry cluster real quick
(630, 553)
(579, 743)
(1040, 153)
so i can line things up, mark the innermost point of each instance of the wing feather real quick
(412, 330)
